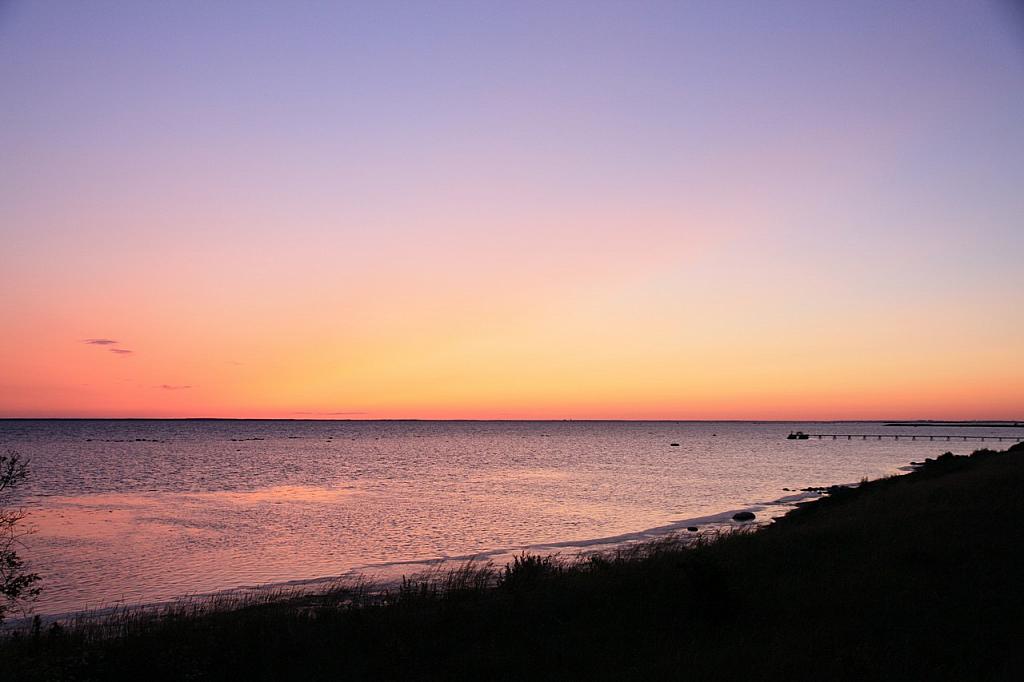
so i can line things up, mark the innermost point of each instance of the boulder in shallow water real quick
(744, 516)
(692, 529)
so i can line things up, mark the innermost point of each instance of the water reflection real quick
(144, 511)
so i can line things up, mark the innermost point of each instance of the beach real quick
(141, 512)
(907, 577)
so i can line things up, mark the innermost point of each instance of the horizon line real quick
(567, 419)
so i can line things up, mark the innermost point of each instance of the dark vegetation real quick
(17, 586)
(917, 577)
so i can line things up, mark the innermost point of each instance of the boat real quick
(797, 435)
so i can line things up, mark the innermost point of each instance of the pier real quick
(905, 436)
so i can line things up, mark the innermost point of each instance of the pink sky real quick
(657, 211)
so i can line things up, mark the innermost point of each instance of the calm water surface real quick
(143, 511)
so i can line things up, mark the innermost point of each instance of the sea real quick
(141, 512)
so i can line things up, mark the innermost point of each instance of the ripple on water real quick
(145, 511)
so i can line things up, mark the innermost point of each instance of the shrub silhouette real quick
(16, 585)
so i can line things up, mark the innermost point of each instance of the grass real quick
(914, 577)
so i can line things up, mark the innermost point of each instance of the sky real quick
(587, 210)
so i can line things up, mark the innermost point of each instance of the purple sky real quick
(532, 195)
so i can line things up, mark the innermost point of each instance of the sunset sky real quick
(766, 210)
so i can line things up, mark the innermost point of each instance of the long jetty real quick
(908, 436)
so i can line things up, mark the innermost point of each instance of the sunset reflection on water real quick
(193, 508)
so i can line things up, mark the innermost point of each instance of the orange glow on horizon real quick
(511, 212)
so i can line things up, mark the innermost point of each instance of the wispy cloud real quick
(173, 387)
(108, 342)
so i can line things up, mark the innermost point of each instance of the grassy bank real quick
(915, 577)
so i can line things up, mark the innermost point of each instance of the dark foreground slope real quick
(916, 577)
